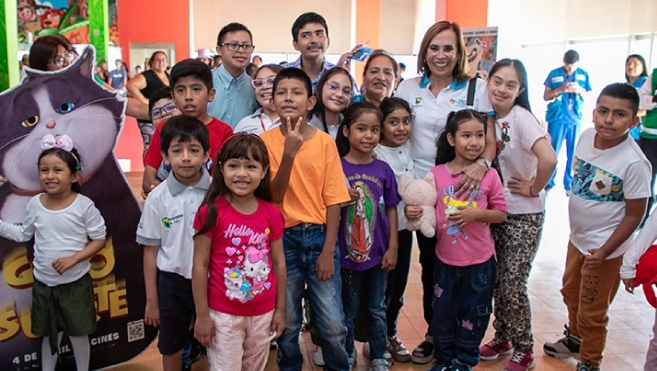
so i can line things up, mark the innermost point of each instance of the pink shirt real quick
(241, 280)
(474, 243)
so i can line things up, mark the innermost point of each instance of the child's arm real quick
(278, 266)
(152, 312)
(61, 265)
(634, 211)
(150, 180)
(19, 233)
(203, 327)
(631, 258)
(547, 160)
(325, 268)
(293, 141)
(390, 257)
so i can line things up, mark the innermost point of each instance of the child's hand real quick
(61, 265)
(293, 137)
(152, 313)
(465, 215)
(596, 258)
(353, 193)
(277, 324)
(413, 212)
(519, 185)
(629, 285)
(324, 266)
(204, 330)
(389, 259)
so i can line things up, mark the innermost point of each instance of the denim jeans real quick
(373, 284)
(302, 244)
(462, 305)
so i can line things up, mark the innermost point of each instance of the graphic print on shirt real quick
(596, 184)
(249, 253)
(505, 138)
(451, 206)
(360, 223)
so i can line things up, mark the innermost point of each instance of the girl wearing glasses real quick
(333, 92)
(265, 117)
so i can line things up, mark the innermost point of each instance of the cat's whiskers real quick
(96, 101)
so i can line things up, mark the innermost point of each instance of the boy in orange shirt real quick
(308, 186)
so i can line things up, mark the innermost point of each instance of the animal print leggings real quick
(516, 244)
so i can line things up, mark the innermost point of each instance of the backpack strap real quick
(472, 83)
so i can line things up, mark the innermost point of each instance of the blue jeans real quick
(462, 305)
(302, 244)
(373, 283)
(560, 132)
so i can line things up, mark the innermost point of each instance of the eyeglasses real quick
(334, 88)
(60, 60)
(158, 113)
(257, 83)
(233, 47)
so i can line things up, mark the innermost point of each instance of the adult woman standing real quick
(146, 83)
(441, 89)
(379, 77)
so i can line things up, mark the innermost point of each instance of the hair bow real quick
(255, 255)
(64, 142)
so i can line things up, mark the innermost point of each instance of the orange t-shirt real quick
(316, 180)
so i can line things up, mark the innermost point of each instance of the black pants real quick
(398, 279)
(427, 262)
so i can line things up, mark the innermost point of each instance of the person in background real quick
(564, 90)
(137, 70)
(648, 134)
(101, 71)
(636, 73)
(205, 56)
(400, 73)
(251, 70)
(118, 78)
(257, 61)
(379, 77)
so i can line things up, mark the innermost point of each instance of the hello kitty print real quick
(241, 280)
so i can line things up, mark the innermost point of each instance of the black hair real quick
(445, 152)
(522, 99)
(186, 128)
(304, 19)
(389, 105)
(150, 60)
(294, 74)
(351, 115)
(402, 65)
(251, 70)
(163, 93)
(239, 146)
(320, 109)
(622, 91)
(275, 68)
(571, 57)
(191, 67)
(641, 60)
(44, 49)
(72, 160)
(232, 27)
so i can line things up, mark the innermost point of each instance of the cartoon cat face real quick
(67, 101)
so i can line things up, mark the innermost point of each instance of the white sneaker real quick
(318, 357)
(366, 352)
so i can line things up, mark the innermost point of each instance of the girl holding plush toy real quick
(464, 273)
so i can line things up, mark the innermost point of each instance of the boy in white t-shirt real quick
(608, 199)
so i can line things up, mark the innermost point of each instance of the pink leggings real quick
(239, 343)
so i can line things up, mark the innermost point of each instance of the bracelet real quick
(482, 165)
(531, 191)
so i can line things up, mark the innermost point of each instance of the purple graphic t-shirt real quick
(364, 227)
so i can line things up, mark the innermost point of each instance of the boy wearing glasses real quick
(191, 90)
(235, 96)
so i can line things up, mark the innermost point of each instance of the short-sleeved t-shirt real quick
(219, 134)
(603, 180)
(316, 180)
(117, 77)
(364, 227)
(431, 114)
(256, 123)
(472, 244)
(567, 107)
(516, 134)
(241, 281)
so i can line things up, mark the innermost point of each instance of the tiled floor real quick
(630, 326)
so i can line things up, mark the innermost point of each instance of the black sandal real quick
(423, 353)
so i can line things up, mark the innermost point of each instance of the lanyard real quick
(262, 123)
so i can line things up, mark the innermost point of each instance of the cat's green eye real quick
(30, 121)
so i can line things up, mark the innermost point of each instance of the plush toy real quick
(420, 192)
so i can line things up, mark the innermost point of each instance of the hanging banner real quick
(93, 117)
(481, 45)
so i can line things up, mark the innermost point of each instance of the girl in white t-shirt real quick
(238, 276)
(333, 92)
(62, 222)
(265, 117)
(395, 149)
(527, 162)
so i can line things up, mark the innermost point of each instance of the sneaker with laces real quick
(379, 364)
(568, 346)
(493, 349)
(366, 352)
(397, 350)
(520, 361)
(318, 357)
(585, 366)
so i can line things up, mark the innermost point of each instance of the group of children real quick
(302, 202)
